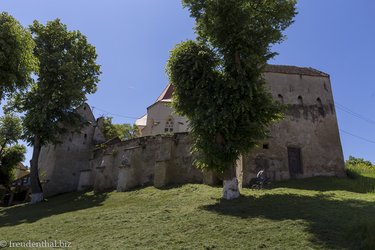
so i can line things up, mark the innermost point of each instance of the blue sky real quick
(133, 40)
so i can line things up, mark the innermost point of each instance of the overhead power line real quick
(357, 136)
(110, 113)
(355, 114)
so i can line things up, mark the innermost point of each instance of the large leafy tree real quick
(67, 73)
(218, 78)
(17, 61)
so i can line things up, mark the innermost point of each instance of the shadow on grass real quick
(329, 220)
(58, 205)
(356, 184)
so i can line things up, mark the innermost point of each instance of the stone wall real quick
(309, 128)
(310, 125)
(60, 165)
(155, 160)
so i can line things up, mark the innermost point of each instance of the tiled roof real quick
(167, 93)
(285, 69)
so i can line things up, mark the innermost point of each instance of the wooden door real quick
(295, 163)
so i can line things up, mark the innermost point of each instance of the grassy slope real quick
(303, 214)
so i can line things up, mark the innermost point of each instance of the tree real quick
(9, 160)
(354, 161)
(17, 61)
(11, 153)
(68, 72)
(218, 81)
(10, 132)
(123, 131)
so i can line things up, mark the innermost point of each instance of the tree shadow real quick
(328, 220)
(60, 204)
(358, 184)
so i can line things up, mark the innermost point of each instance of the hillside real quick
(319, 213)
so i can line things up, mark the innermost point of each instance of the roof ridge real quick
(291, 69)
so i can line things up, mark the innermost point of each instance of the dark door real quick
(295, 163)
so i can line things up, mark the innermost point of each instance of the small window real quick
(169, 125)
(300, 100)
(281, 98)
(266, 146)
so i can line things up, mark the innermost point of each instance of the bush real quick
(363, 175)
(358, 161)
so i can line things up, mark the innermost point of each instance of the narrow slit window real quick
(300, 100)
(281, 99)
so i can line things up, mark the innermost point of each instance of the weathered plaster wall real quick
(154, 160)
(157, 116)
(60, 165)
(310, 125)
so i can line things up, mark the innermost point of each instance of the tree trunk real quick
(36, 187)
(2, 151)
(230, 183)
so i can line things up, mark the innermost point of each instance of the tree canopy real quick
(123, 131)
(10, 158)
(17, 61)
(10, 130)
(11, 153)
(68, 72)
(218, 78)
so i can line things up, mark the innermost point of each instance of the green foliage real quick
(68, 71)
(10, 129)
(363, 172)
(17, 61)
(122, 131)
(11, 157)
(353, 161)
(218, 82)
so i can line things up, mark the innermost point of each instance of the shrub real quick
(358, 161)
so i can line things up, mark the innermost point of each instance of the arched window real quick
(300, 100)
(320, 106)
(169, 125)
(281, 98)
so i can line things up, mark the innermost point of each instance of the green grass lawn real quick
(317, 213)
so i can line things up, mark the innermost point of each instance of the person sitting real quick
(261, 176)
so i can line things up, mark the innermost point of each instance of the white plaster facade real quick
(161, 118)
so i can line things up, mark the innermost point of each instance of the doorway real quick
(295, 163)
